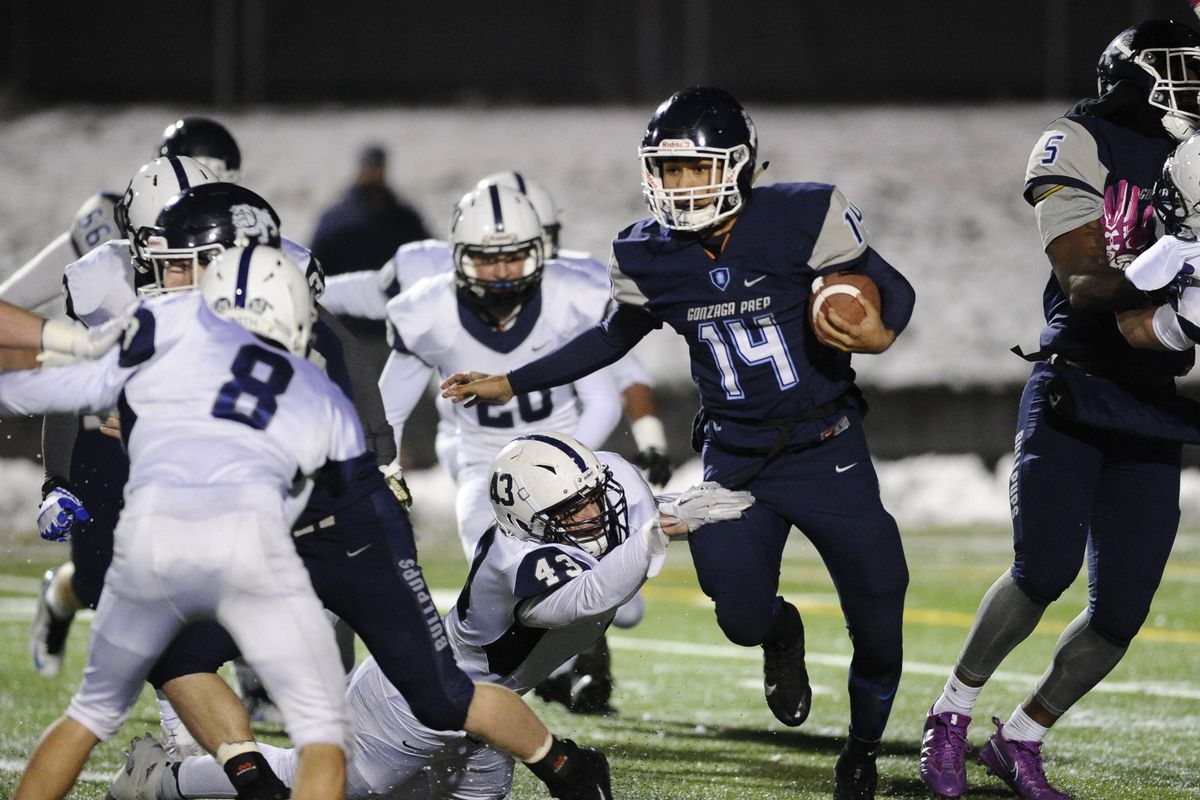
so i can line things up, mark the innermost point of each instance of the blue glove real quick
(58, 513)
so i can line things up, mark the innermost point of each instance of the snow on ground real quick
(940, 187)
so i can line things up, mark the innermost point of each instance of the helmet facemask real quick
(1176, 87)
(163, 259)
(595, 520)
(695, 208)
(498, 298)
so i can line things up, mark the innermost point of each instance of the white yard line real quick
(21, 608)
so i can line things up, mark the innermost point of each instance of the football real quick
(844, 292)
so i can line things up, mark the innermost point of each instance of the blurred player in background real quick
(1096, 475)
(365, 294)
(730, 268)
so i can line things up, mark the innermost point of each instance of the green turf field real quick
(692, 721)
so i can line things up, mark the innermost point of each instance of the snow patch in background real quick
(940, 188)
(920, 492)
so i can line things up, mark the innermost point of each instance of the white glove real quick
(704, 503)
(67, 337)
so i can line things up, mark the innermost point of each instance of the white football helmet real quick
(542, 202)
(490, 224)
(1177, 192)
(265, 292)
(148, 191)
(547, 487)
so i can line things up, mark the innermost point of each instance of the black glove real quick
(572, 772)
(656, 464)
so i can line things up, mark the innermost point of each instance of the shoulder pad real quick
(547, 569)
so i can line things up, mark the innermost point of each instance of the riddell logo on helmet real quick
(499, 238)
(677, 144)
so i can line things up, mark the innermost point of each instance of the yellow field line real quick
(819, 605)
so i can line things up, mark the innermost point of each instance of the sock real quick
(168, 788)
(957, 697)
(54, 600)
(861, 749)
(1021, 728)
(252, 776)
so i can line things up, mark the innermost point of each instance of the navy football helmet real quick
(1162, 57)
(699, 123)
(200, 223)
(492, 224)
(205, 140)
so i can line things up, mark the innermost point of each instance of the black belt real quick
(1121, 373)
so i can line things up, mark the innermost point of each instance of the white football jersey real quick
(432, 330)
(202, 401)
(528, 607)
(100, 284)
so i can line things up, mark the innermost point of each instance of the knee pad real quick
(631, 613)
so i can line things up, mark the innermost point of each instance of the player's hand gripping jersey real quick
(202, 401)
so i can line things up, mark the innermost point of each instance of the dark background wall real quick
(550, 51)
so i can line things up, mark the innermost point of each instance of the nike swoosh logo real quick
(748, 284)
(840, 470)
(771, 687)
(537, 347)
(353, 553)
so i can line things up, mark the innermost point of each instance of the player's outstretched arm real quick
(473, 388)
(700, 505)
(1080, 261)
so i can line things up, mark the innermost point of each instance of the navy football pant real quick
(364, 568)
(1081, 492)
(831, 493)
(99, 470)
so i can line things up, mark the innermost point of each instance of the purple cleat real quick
(1019, 764)
(944, 753)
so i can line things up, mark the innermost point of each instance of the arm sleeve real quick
(80, 387)
(587, 352)
(58, 443)
(612, 582)
(401, 385)
(601, 408)
(895, 292)
(365, 392)
(356, 294)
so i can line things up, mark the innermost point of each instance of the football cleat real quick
(785, 681)
(855, 776)
(141, 776)
(48, 635)
(944, 751)
(1019, 764)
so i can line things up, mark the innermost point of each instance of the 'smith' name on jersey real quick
(696, 313)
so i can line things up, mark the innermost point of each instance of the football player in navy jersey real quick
(1097, 462)
(730, 268)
